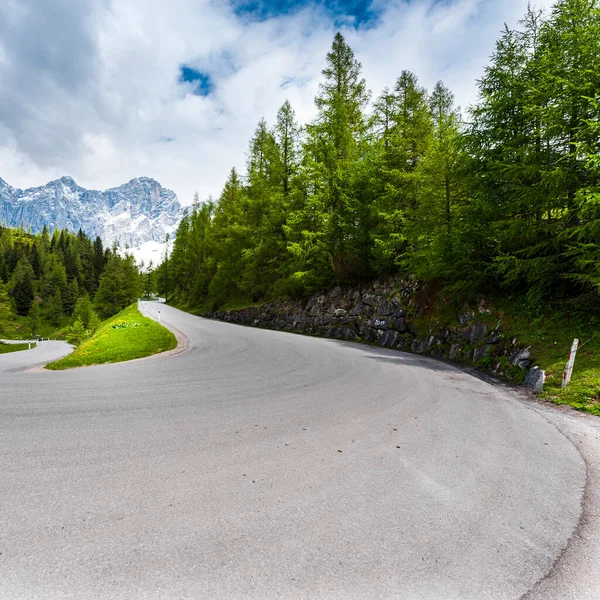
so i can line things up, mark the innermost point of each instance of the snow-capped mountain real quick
(132, 214)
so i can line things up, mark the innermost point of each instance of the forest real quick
(61, 279)
(503, 198)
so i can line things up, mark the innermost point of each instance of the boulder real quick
(403, 341)
(520, 358)
(481, 352)
(326, 320)
(347, 333)
(420, 347)
(534, 379)
(399, 324)
(369, 299)
(371, 335)
(315, 310)
(436, 352)
(385, 309)
(475, 332)
(454, 351)
(357, 310)
(339, 312)
(493, 338)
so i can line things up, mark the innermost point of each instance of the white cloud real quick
(97, 97)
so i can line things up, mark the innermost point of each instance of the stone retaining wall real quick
(390, 313)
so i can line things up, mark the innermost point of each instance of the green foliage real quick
(119, 285)
(505, 202)
(126, 336)
(52, 272)
(55, 308)
(33, 319)
(77, 333)
(84, 312)
(22, 286)
(5, 312)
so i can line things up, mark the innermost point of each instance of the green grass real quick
(125, 336)
(6, 348)
(550, 338)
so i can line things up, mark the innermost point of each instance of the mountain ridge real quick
(131, 214)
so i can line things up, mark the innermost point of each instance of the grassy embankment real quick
(550, 338)
(6, 348)
(125, 336)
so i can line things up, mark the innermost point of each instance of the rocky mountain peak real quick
(131, 214)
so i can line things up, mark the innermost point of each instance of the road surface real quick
(43, 353)
(258, 464)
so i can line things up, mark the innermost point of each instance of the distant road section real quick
(43, 353)
(258, 464)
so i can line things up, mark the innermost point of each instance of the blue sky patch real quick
(202, 83)
(290, 81)
(358, 12)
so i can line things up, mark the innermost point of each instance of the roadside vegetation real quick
(550, 336)
(126, 336)
(6, 348)
(51, 280)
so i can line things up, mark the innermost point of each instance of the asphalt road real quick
(42, 353)
(258, 464)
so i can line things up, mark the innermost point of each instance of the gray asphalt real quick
(259, 464)
(44, 352)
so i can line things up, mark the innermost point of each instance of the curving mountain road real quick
(257, 464)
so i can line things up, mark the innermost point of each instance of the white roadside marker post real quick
(569, 367)
(159, 316)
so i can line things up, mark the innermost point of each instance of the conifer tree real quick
(22, 286)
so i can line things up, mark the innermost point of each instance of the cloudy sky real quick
(108, 90)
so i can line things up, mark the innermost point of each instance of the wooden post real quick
(569, 366)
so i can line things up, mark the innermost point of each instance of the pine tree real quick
(333, 146)
(84, 312)
(77, 333)
(33, 318)
(442, 193)
(119, 285)
(287, 135)
(22, 286)
(70, 296)
(55, 309)
(404, 120)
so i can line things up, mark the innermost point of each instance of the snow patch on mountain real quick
(150, 253)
